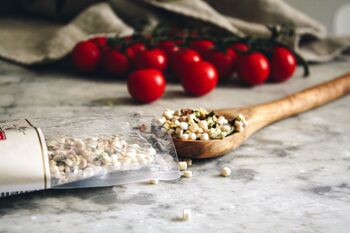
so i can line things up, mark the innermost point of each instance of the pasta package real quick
(83, 152)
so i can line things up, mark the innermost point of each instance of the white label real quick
(23, 158)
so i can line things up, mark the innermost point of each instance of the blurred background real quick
(334, 14)
(41, 31)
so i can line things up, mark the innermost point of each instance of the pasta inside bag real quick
(84, 152)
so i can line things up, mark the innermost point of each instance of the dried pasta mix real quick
(200, 124)
(73, 158)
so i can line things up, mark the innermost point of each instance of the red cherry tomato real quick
(184, 57)
(253, 68)
(134, 50)
(199, 78)
(242, 47)
(151, 59)
(146, 85)
(283, 64)
(169, 48)
(202, 46)
(86, 56)
(115, 63)
(234, 49)
(234, 56)
(100, 41)
(223, 62)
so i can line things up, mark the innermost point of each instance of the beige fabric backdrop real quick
(32, 41)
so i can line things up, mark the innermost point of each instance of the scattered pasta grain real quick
(189, 162)
(187, 174)
(186, 215)
(182, 166)
(154, 181)
(225, 171)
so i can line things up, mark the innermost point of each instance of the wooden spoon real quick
(261, 115)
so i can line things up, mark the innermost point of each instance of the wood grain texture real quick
(261, 115)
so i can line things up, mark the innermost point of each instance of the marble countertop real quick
(293, 176)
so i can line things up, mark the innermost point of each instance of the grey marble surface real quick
(293, 176)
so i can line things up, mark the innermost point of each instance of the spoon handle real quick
(302, 101)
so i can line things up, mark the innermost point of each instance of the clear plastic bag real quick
(89, 152)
